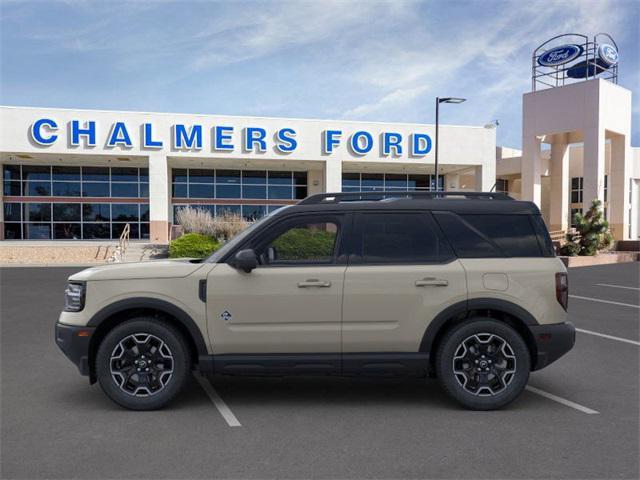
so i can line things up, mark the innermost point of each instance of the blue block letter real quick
(421, 144)
(147, 138)
(36, 131)
(119, 136)
(330, 140)
(184, 139)
(89, 131)
(392, 140)
(286, 140)
(253, 136)
(223, 135)
(355, 142)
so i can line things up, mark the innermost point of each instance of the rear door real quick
(401, 274)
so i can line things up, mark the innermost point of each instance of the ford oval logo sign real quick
(608, 54)
(560, 55)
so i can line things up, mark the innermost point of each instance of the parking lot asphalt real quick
(54, 425)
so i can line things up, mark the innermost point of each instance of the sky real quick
(344, 60)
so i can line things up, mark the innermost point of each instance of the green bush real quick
(303, 243)
(193, 245)
(591, 234)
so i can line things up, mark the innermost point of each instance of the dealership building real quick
(86, 174)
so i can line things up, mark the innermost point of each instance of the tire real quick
(143, 363)
(483, 364)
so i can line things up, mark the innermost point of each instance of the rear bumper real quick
(74, 343)
(552, 342)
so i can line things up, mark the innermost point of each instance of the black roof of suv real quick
(457, 202)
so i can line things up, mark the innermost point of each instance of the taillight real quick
(562, 289)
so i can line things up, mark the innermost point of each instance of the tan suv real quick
(462, 286)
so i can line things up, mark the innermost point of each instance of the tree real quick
(591, 235)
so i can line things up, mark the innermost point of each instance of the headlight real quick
(74, 297)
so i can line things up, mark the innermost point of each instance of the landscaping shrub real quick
(222, 227)
(591, 235)
(303, 243)
(193, 245)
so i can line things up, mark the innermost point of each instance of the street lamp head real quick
(451, 100)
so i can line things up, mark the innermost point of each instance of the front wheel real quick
(143, 363)
(483, 364)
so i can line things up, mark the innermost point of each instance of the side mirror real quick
(245, 260)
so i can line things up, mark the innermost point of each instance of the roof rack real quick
(395, 195)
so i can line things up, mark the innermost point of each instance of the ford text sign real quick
(560, 55)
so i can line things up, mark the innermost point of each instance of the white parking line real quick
(225, 411)
(610, 337)
(605, 301)
(561, 400)
(616, 286)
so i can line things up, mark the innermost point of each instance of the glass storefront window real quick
(37, 189)
(226, 184)
(66, 189)
(69, 231)
(12, 212)
(228, 191)
(229, 209)
(255, 191)
(66, 173)
(37, 231)
(356, 182)
(52, 220)
(66, 212)
(197, 190)
(124, 190)
(96, 212)
(95, 174)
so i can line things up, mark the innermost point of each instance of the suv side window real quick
(399, 237)
(466, 241)
(490, 236)
(303, 241)
(514, 234)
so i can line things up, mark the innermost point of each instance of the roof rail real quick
(390, 194)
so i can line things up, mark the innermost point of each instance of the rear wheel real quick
(143, 363)
(483, 364)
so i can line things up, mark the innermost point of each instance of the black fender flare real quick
(155, 304)
(461, 309)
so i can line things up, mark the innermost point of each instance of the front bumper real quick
(552, 342)
(74, 343)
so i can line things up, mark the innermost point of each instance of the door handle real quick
(432, 282)
(312, 282)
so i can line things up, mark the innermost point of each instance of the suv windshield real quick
(230, 245)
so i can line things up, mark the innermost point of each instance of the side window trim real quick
(355, 252)
(283, 224)
(500, 251)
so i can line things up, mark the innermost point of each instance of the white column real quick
(159, 198)
(559, 201)
(315, 182)
(618, 187)
(531, 169)
(332, 175)
(485, 177)
(593, 166)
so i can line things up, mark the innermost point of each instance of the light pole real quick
(438, 102)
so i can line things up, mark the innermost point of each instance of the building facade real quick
(576, 149)
(85, 174)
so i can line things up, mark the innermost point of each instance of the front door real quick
(401, 275)
(291, 303)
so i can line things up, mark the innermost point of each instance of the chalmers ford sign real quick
(222, 138)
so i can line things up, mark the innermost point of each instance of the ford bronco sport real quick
(461, 286)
